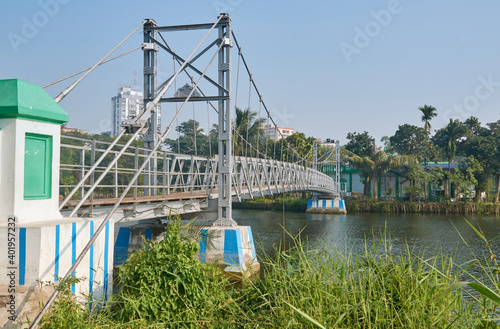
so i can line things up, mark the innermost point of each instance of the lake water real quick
(427, 233)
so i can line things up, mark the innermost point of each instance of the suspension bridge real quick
(75, 234)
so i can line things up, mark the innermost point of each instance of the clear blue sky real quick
(325, 68)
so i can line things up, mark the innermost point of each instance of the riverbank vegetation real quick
(303, 287)
(400, 207)
(460, 161)
(291, 202)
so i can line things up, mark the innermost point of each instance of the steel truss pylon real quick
(150, 82)
(224, 41)
(225, 134)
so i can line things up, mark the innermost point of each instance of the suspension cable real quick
(237, 79)
(248, 113)
(258, 93)
(258, 130)
(195, 132)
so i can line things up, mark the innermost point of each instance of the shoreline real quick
(392, 207)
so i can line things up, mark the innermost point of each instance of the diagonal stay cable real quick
(104, 173)
(88, 68)
(91, 170)
(64, 93)
(80, 257)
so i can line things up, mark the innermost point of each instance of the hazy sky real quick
(325, 68)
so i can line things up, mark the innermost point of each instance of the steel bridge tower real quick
(224, 41)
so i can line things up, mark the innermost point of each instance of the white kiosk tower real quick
(36, 242)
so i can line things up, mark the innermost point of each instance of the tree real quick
(388, 148)
(466, 176)
(416, 173)
(482, 148)
(428, 112)
(247, 126)
(494, 128)
(410, 139)
(360, 144)
(378, 164)
(192, 139)
(474, 127)
(447, 139)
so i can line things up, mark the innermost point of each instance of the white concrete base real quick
(231, 247)
(331, 206)
(46, 250)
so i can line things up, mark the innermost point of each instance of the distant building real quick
(74, 130)
(185, 90)
(273, 132)
(125, 105)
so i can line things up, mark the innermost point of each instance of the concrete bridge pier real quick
(36, 242)
(327, 206)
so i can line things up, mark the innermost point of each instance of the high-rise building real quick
(125, 105)
(273, 132)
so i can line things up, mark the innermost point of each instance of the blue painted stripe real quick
(203, 245)
(250, 237)
(22, 255)
(233, 250)
(106, 259)
(324, 204)
(91, 262)
(309, 204)
(73, 250)
(149, 234)
(341, 204)
(56, 257)
(121, 246)
(317, 204)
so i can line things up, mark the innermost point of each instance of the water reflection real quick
(423, 233)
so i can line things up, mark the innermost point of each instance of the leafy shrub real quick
(166, 283)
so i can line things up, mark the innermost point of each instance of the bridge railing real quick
(167, 173)
(171, 173)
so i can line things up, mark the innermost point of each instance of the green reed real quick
(163, 286)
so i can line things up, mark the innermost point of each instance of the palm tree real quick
(428, 112)
(378, 164)
(246, 126)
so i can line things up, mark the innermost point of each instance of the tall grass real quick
(302, 287)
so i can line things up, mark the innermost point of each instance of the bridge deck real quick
(201, 194)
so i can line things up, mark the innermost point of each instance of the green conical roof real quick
(24, 100)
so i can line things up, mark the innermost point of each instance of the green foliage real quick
(166, 283)
(360, 144)
(377, 164)
(304, 286)
(192, 140)
(410, 139)
(447, 138)
(247, 126)
(291, 204)
(66, 311)
(314, 288)
(428, 113)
